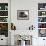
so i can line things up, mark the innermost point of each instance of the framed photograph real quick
(22, 14)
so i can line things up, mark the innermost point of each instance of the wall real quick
(24, 5)
(32, 6)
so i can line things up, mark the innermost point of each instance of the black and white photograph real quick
(22, 14)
